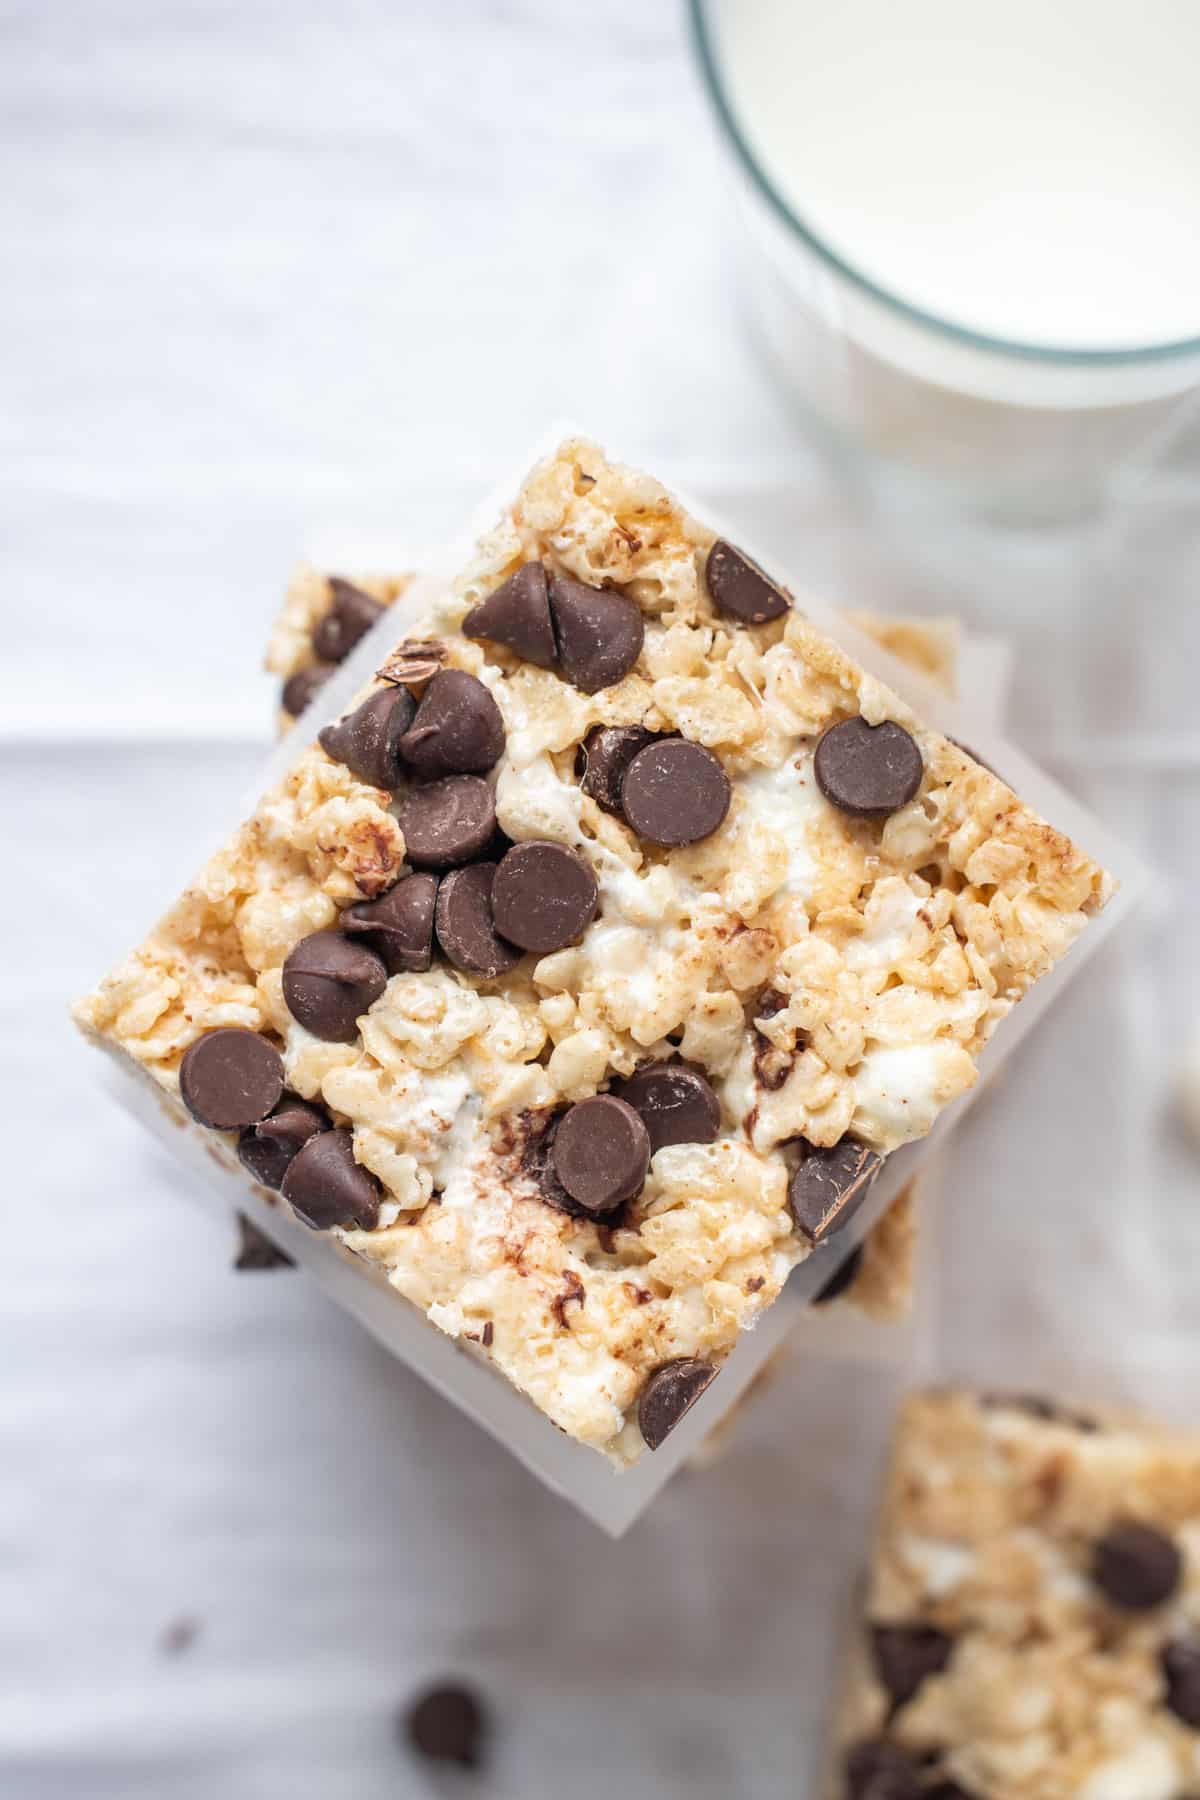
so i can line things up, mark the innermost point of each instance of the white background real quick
(278, 277)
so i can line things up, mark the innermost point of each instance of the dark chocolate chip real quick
(947, 1790)
(368, 739)
(448, 822)
(458, 729)
(326, 1187)
(868, 771)
(740, 588)
(604, 756)
(256, 1252)
(601, 1153)
(230, 1077)
(399, 926)
(302, 687)
(267, 1148)
(1136, 1567)
(599, 633)
(1181, 1672)
(447, 1723)
(517, 615)
(676, 1104)
(842, 1278)
(906, 1654)
(329, 982)
(464, 926)
(670, 1392)
(675, 792)
(829, 1187)
(544, 896)
(877, 1770)
(350, 617)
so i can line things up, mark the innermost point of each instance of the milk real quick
(1028, 169)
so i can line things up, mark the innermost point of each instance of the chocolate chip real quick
(464, 926)
(599, 633)
(267, 1148)
(868, 771)
(604, 755)
(1181, 1672)
(675, 792)
(947, 1790)
(348, 620)
(601, 1153)
(230, 1077)
(399, 926)
(448, 1724)
(302, 687)
(544, 896)
(414, 662)
(517, 615)
(670, 1392)
(676, 1104)
(842, 1278)
(829, 1187)
(329, 982)
(906, 1654)
(256, 1252)
(740, 588)
(326, 1187)
(448, 822)
(458, 729)
(368, 739)
(1136, 1567)
(877, 1770)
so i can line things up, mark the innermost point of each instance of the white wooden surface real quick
(286, 274)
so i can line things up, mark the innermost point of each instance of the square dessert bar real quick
(1032, 1619)
(324, 617)
(580, 977)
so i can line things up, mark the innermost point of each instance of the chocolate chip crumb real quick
(256, 1251)
(448, 1723)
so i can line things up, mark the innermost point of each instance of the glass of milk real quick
(972, 231)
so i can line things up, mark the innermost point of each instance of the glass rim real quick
(709, 60)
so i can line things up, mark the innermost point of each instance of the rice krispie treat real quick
(583, 973)
(1032, 1618)
(329, 612)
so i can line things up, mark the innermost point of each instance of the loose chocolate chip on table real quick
(675, 792)
(599, 633)
(544, 896)
(517, 615)
(399, 926)
(604, 756)
(1181, 1672)
(464, 925)
(601, 1153)
(829, 1187)
(842, 1278)
(458, 729)
(230, 1077)
(368, 739)
(906, 1654)
(668, 1394)
(868, 771)
(448, 822)
(448, 1724)
(302, 687)
(348, 620)
(329, 982)
(327, 1187)
(877, 1770)
(256, 1252)
(1136, 1567)
(676, 1104)
(740, 588)
(267, 1148)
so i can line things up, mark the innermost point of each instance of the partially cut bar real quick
(768, 922)
(1031, 1623)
